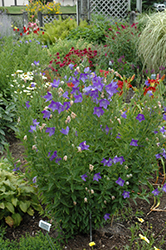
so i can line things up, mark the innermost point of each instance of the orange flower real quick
(70, 85)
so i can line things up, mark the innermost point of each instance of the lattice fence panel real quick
(114, 9)
(50, 18)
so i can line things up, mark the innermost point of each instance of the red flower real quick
(148, 89)
(70, 85)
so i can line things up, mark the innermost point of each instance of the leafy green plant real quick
(7, 119)
(58, 29)
(17, 196)
(40, 241)
(152, 41)
(86, 157)
(144, 240)
(11, 55)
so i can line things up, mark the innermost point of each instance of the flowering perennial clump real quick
(89, 150)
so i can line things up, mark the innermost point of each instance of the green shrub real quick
(39, 242)
(58, 29)
(17, 196)
(95, 32)
(7, 119)
(151, 47)
(19, 55)
(79, 149)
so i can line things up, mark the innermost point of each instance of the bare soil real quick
(111, 237)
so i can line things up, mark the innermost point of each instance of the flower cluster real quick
(33, 7)
(73, 57)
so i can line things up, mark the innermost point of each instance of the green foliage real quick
(7, 119)
(18, 55)
(57, 163)
(39, 242)
(58, 29)
(144, 240)
(151, 47)
(17, 196)
(95, 32)
(63, 46)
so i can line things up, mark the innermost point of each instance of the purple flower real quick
(65, 95)
(76, 134)
(164, 187)
(35, 122)
(46, 114)
(147, 83)
(134, 143)
(156, 192)
(34, 179)
(158, 156)
(83, 146)
(118, 159)
(126, 194)
(118, 136)
(107, 129)
(53, 105)
(109, 162)
(155, 132)
(98, 111)
(164, 117)
(111, 88)
(162, 130)
(140, 117)
(164, 109)
(86, 70)
(96, 177)
(104, 161)
(55, 83)
(57, 160)
(97, 83)
(104, 103)
(120, 182)
(33, 128)
(83, 177)
(51, 131)
(15, 169)
(36, 63)
(71, 66)
(124, 115)
(48, 97)
(78, 98)
(65, 131)
(56, 106)
(164, 153)
(27, 105)
(60, 108)
(106, 216)
(83, 77)
(66, 105)
(54, 155)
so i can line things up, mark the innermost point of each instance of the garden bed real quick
(109, 237)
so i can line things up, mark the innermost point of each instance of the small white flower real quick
(85, 200)
(25, 137)
(127, 182)
(65, 158)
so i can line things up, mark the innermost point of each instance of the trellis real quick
(112, 9)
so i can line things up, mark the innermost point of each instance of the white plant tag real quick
(44, 225)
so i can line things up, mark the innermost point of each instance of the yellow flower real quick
(91, 244)
(144, 238)
(140, 220)
(156, 248)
